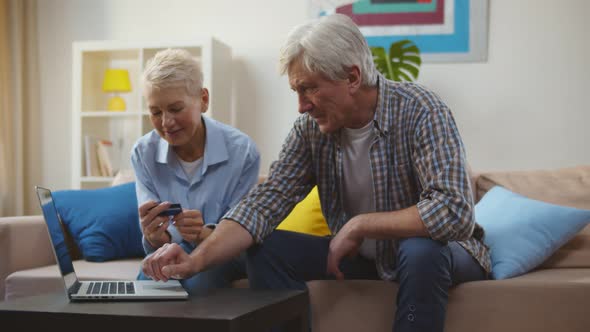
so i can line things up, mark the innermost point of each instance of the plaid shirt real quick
(416, 158)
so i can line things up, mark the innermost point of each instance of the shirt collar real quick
(215, 147)
(382, 117)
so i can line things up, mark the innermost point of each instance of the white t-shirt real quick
(190, 167)
(357, 183)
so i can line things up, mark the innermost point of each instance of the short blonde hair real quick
(173, 67)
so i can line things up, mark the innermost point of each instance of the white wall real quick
(524, 108)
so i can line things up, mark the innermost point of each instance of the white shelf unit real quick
(89, 102)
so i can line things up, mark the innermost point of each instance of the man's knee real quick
(286, 245)
(262, 261)
(260, 254)
(420, 255)
(286, 260)
(218, 276)
(256, 256)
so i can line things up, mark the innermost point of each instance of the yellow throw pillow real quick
(307, 217)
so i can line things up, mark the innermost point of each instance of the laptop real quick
(98, 290)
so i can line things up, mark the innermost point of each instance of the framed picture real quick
(443, 30)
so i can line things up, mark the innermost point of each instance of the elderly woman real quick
(191, 160)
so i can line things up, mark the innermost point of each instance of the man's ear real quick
(204, 100)
(354, 79)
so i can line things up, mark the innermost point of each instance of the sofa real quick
(554, 296)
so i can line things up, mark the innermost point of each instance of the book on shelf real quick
(104, 150)
(101, 156)
(91, 156)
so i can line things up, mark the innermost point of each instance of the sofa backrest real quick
(564, 186)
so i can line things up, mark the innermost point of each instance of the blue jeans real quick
(426, 270)
(220, 276)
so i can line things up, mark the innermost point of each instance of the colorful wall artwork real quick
(443, 30)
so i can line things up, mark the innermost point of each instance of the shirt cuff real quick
(174, 234)
(147, 247)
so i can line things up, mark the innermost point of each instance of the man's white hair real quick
(173, 68)
(330, 45)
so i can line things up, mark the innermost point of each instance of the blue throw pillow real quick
(522, 232)
(103, 222)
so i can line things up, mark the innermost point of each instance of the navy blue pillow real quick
(103, 222)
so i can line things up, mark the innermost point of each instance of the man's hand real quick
(190, 225)
(153, 226)
(347, 243)
(169, 261)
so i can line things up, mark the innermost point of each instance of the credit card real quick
(173, 210)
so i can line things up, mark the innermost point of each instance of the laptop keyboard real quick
(111, 287)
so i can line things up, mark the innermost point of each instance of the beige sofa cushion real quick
(565, 186)
(47, 279)
(522, 303)
(18, 254)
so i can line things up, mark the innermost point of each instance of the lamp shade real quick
(116, 80)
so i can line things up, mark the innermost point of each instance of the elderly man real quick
(390, 167)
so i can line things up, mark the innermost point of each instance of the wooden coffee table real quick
(234, 310)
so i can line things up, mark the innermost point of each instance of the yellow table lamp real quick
(116, 80)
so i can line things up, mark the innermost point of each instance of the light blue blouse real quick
(230, 168)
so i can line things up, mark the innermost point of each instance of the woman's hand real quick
(190, 225)
(153, 226)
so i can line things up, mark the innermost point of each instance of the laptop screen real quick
(56, 234)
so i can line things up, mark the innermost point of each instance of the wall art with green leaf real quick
(401, 63)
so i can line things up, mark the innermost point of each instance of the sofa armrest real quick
(24, 244)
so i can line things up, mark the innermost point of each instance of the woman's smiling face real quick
(176, 115)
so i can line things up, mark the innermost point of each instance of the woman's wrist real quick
(164, 238)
